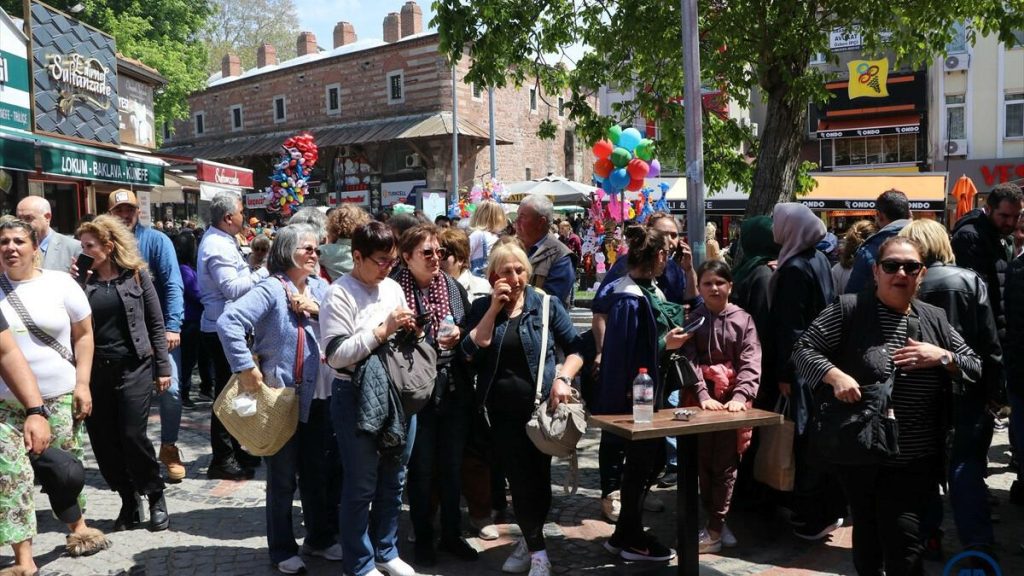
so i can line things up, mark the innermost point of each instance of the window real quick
(236, 117)
(958, 45)
(955, 129)
(1018, 39)
(396, 87)
(561, 107)
(332, 99)
(529, 174)
(478, 92)
(280, 110)
(533, 101)
(1015, 115)
(889, 149)
(818, 58)
(200, 123)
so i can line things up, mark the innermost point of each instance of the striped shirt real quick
(917, 394)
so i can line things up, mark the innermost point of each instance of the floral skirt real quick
(17, 506)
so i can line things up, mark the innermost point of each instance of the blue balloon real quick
(629, 139)
(619, 178)
(598, 179)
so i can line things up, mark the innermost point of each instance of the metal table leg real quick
(686, 494)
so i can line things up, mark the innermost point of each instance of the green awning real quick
(17, 150)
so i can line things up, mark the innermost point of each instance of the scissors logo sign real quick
(868, 78)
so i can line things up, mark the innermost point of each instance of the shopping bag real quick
(774, 464)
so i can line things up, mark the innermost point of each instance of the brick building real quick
(381, 111)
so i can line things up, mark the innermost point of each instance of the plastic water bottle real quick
(447, 327)
(643, 398)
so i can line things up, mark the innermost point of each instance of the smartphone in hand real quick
(693, 326)
(84, 264)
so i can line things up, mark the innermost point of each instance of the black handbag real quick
(858, 433)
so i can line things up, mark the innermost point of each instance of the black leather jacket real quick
(964, 296)
(1014, 303)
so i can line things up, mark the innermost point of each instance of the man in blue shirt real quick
(158, 252)
(553, 271)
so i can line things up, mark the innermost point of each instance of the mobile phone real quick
(422, 320)
(693, 326)
(84, 263)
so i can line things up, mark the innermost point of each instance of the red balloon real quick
(603, 149)
(637, 169)
(635, 184)
(603, 167)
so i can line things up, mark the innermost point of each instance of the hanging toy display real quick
(291, 174)
(624, 159)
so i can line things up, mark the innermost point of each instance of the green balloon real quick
(645, 150)
(621, 157)
(614, 132)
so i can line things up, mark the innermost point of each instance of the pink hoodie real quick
(726, 338)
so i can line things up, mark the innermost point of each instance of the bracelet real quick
(564, 378)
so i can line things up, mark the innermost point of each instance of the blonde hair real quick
(504, 250)
(933, 238)
(343, 221)
(489, 215)
(713, 251)
(109, 229)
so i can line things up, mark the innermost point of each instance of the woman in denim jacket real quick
(282, 314)
(503, 345)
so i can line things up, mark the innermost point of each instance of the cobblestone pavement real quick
(217, 528)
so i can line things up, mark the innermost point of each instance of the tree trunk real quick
(779, 156)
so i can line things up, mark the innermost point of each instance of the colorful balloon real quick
(637, 169)
(620, 157)
(630, 138)
(635, 184)
(603, 149)
(619, 178)
(645, 150)
(614, 133)
(654, 169)
(603, 167)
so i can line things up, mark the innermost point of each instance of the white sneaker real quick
(728, 540)
(486, 530)
(653, 503)
(519, 561)
(395, 567)
(540, 567)
(332, 553)
(707, 545)
(611, 506)
(293, 565)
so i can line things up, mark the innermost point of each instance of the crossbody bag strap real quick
(300, 340)
(30, 324)
(545, 306)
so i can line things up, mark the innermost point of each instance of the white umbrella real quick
(559, 190)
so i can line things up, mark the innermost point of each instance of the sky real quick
(367, 16)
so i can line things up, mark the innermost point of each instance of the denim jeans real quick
(319, 476)
(367, 478)
(170, 403)
(968, 463)
(282, 469)
(437, 455)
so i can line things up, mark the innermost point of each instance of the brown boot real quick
(86, 543)
(171, 458)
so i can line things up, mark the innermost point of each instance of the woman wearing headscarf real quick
(800, 289)
(752, 279)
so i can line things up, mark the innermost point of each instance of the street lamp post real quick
(694, 133)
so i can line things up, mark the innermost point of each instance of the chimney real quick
(266, 55)
(344, 33)
(392, 27)
(412, 19)
(306, 44)
(230, 66)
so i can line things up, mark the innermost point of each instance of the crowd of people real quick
(916, 325)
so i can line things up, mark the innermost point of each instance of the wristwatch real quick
(564, 379)
(946, 359)
(40, 410)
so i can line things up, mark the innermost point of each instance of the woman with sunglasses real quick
(282, 315)
(869, 338)
(440, 303)
(360, 311)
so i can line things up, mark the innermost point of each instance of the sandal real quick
(86, 543)
(18, 571)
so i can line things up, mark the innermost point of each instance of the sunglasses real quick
(309, 249)
(385, 264)
(440, 253)
(911, 267)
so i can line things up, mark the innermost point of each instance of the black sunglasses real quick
(440, 253)
(911, 267)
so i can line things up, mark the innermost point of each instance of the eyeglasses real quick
(439, 253)
(385, 264)
(911, 267)
(309, 249)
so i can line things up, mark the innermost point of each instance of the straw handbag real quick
(270, 428)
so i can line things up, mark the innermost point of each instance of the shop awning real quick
(876, 126)
(17, 150)
(926, 191)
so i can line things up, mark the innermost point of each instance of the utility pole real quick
(494, 145)
(694, 134)
(455, 135)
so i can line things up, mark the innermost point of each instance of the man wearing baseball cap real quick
(158, 251)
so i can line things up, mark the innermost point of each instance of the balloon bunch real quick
(461, 208)
(624, 159)
(490, 190)
(287, 190)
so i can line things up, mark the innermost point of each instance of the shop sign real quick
(868, 78)
(985, 173)
(223, 174)
(85, 166)
(710, 205)
(915, 205)
(841, 39)
(15, 98)
(74, 74)
(872, 131)
(255, 200)
(135, 112)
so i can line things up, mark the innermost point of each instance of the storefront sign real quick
(223, 174)
(15, 99)
(255, 200)
(985, 173)
(711, 205)
(872, 131)
(915, 205)
(868, 78)
(135, 112)
(95, 167)
(74, 75)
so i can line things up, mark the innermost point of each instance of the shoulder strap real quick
(30, 324)
(544, 308)
(300, 340)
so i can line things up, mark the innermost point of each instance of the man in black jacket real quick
(1013, 347)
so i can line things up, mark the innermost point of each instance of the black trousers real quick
(122, 391)
(887, 505)
(222, 444)
(644, 460)
(529, 474)
(817, 497)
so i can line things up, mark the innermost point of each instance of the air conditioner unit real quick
(413, 161)
(957, 62)
(956, 148)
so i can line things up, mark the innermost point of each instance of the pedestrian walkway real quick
(217, 529)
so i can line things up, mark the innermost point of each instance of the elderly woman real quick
(443, 425)
(336, 254)
(130, 349)
(487, 223)
(360, 311)
(503, 345)
(963, 295)
(282, 314)
(889, 335)
(43, 302)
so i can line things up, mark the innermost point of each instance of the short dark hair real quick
(895, 240)
(644, 245)
(18, 224)
(1005, 192)
(185, 247)
(455, 242)
(441, 219)
(716, 267)
(373, 237)
(893, 204)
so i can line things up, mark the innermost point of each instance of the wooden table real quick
(686, 446)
